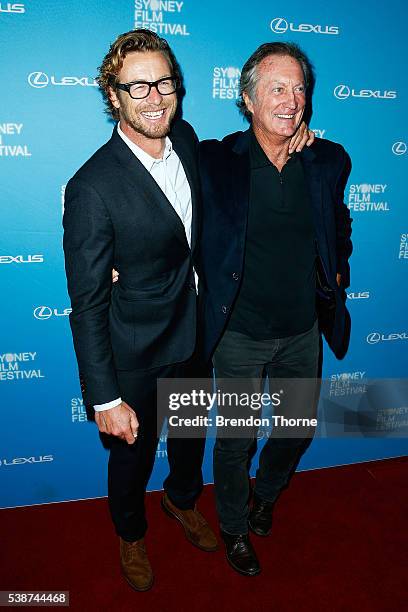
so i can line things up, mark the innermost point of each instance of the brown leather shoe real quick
(135, 565)
(196, 528)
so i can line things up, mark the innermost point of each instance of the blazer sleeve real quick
(88, 247)
(344, 245)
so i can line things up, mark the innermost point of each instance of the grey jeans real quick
(238, 356)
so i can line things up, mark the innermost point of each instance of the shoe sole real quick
(249, 574)
(135, 588)
(258, 533)
(173, 515)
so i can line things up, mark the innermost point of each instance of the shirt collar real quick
(147, 160)
(257, 154)
(258, 157)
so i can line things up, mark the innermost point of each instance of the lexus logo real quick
(38, 79)
(375, 337)
(24, 460)
(42, 313)
(342, 92)
(399, 148)
(279, 25)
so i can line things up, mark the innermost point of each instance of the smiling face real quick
(279, 101)
(149, 118)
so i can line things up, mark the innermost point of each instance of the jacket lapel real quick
(313, 181)
(241, 180)
(145, 186)
(313, 176)
(312, 173)
(190, 168)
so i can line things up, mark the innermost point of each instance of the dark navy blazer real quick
(225, 178)
(117, 216)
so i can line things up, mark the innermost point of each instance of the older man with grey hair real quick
(275, 267)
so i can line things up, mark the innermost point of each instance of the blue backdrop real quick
(52, 120)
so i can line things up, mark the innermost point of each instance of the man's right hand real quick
(120, 421)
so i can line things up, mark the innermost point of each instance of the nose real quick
(154, 96)
(290, 99)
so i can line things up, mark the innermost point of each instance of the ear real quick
(247, 101)
(113, 97)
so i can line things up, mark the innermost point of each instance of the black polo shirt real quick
(277, 294)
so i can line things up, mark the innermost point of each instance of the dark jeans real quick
(130, 466)
(240, 357)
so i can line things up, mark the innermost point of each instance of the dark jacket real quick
(117, 216)
(225, 179)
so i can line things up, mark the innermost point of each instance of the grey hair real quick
(249, 75)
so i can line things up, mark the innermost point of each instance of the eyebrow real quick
(282, 83)
(166, 76)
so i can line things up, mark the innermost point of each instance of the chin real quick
(153, 131)
(285, 129)
(285, 133)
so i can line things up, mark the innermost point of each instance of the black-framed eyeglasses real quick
(141, 89)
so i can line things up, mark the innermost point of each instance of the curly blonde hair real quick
(135, 40)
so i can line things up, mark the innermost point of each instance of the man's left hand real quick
(303, 137)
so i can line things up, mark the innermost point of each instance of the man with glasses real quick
(134, 206)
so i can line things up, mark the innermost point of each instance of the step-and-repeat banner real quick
(52, 120)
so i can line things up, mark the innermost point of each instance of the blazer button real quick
(224, 309)
(235, 276)
(191, 286)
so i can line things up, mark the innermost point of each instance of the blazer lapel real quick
(145, 186)
(190, 168)
(241, 179)
(314, 183)
(313, 177)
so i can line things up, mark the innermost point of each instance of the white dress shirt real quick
(168, 172)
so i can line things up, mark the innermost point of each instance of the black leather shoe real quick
(260, 516)
(240, 554)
